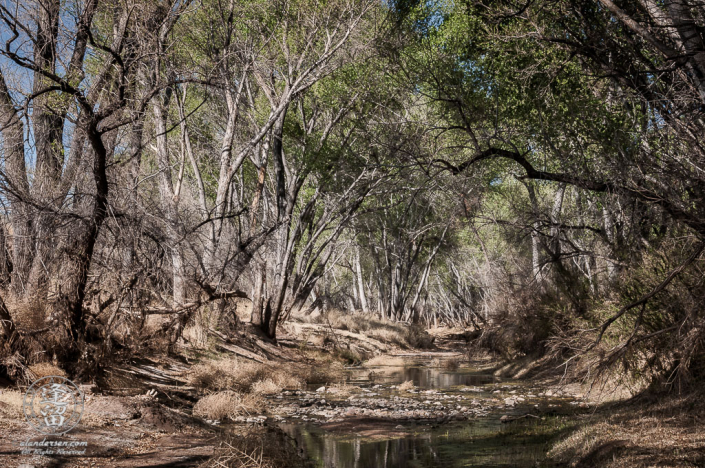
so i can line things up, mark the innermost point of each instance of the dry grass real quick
(668, 433)
(266, 387)
(384, 360)
(11, 403)
(228, 405)
(241, 375)
(196, 332)
(29, 315)
(370, 325)
(387, 335)
(44, 369)
(418, 337)
(407, 386)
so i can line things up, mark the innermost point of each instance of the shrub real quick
(228, 405)
(266, 387)
(349, 356)
(418, 337)
(450, 363)
(407, 386)
(241, 375)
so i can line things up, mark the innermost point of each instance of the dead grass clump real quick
(228, 405)
(341, 390)
(44, 369)
(350, 356)
(318, 340)
(240, 375)
(372, 326)
(266, 387)
(407, 386)
(196, 332)
(450, 364)
(30, 315)
(342, 320)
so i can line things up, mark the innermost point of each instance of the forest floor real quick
(142, 414)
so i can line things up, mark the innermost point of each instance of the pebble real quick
(383, 402)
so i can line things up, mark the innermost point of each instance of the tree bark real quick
(360, 283)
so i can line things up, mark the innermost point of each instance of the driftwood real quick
(357, 336)
(506, 419)
(227, 344)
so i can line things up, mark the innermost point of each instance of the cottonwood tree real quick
(251, 70)
(602, 97)
(68, 83)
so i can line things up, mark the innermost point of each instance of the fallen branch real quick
(192, 305)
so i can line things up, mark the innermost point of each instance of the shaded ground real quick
(647, 431)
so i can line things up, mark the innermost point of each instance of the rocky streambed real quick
(418, 415)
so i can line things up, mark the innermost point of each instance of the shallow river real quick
(482, 440)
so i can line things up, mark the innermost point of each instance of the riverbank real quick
(647, 431)
(158, 410)
(307, 401)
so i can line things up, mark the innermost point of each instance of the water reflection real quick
(423, 377)
(480, 444)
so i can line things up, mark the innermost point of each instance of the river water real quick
(481, 441)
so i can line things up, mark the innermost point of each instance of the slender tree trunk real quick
(256, 317)
(613, 269)
(536, 267)
(360, 283)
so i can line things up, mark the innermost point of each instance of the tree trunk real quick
(74, 271)
(8, 328)
(360, 283)
(613, 269)
(18, 191)
(257, 317)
